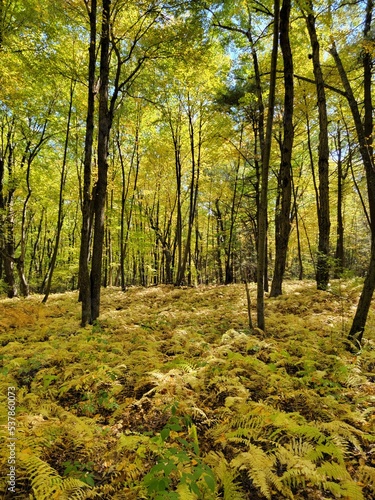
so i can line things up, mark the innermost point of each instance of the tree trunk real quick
(125, 232)
(84, 275)
(296, 215)
(194, 182)
(104, 127)
(176, 137)
(7, 245)
(364, 134)
(339, 253)
(360, 318)
(322, 269)
(283, 222)
(60, 215)
(266, 152)
(220, 235)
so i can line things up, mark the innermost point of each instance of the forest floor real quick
(171, 396)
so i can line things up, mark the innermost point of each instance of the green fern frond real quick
(329, 448)
(333, 470)
(352, 491)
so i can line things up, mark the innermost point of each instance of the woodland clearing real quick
(170, 396)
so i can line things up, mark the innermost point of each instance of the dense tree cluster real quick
(185, 142)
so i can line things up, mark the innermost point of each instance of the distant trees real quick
(194, 148)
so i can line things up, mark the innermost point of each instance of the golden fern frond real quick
(131, 442)
(47, 484)
(225, 475)
(258, 466)
(294, 478)
(244, 429)
(184, 493)
(102, 491)
(344, 486)
(367, 476)
(300, 447)
(72, 489)
(352, 491)
(342, 434)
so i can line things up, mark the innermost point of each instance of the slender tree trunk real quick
(220, 238)
(195, 170)
(104, 127)
(33, 264)
(339, 253)
(322, 270)
(125, 232)
(296, 215)
(235, 202)
(266, 153)
(84, 274)
(7, 245)
(176, 137)
(60, 215)
(20, 261)
(364, 135)
(283, 216)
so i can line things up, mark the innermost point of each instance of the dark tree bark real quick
(104, 127)
(283, 215)
(7, 243)
(364, 135)
(322, 268)
(266, 153)
(84, 273)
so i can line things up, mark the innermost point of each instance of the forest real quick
(187, 249)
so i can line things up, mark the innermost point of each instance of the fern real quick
(342, 434)
(258, 465)
(225, 475)
(366, 476)
(47, 483)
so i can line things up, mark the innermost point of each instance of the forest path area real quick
(169, 395)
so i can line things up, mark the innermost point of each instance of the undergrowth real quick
(170, 396)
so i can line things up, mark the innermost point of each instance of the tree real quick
(323, 211)
(283, 215)
(266, 152)
(364, 135)
(84, 274)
